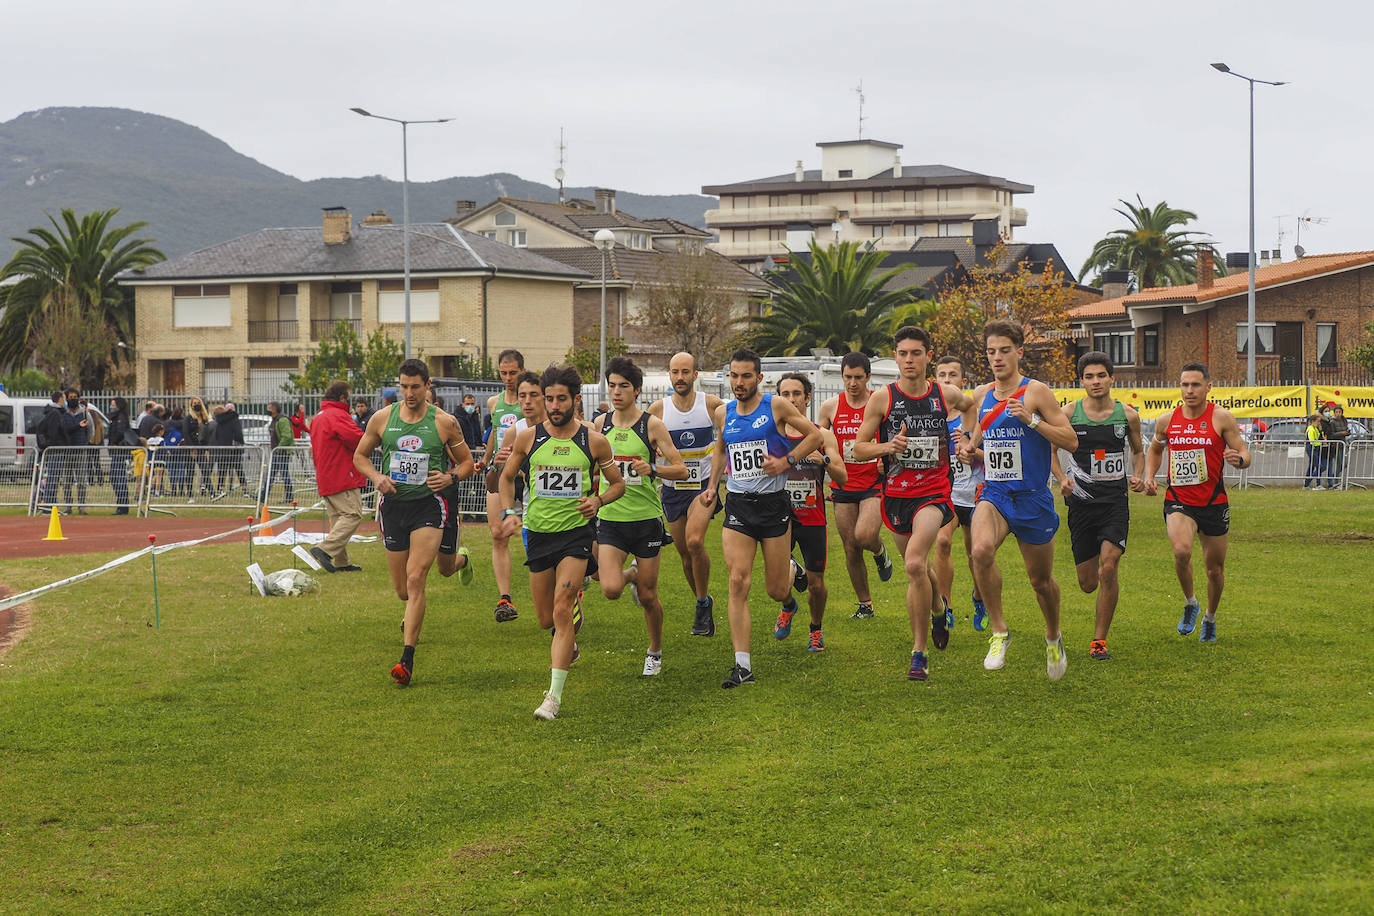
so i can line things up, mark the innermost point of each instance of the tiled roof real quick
(625, 265)
(943, 174)
(672, 226)
(434, 248)
(577, 220)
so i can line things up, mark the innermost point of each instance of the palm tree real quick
(1155, 249)
(836, 299)
(72, 268)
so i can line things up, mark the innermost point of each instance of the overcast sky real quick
(1087, 101)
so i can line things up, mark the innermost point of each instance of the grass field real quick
(252, 755)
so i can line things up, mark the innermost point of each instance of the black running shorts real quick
(852, 496)
(811, 540)
(760, 516)
(641, 539)
(544, 550)
(899, 512)
(1093, 521)
(399, 517)
(676, 503)
(964, 514)
(1213, 521)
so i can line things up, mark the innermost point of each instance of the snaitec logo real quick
(410, 443)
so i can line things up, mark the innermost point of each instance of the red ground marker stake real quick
(295, 523)
(157, 614)
(251, 587)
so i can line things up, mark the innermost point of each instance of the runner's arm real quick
(785, 415)
(610, 474)
(676, 468)
(520, 449)
(362, 455)
(864, 446)
(1154, 456)
(1137, 482)
(1053, 425)
(974, 432)
(1237, 451)
(825, 417)
(461, 465)
(708, 494)
(836, 468)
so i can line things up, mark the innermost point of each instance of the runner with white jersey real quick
(504, 411)
(968, 477)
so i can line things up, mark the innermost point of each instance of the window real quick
(346, 300)
(912, 230)
(911, 195)
(1326, 345)
(201, 306)
(881, 231)
(810, 200)
(1264, 337)
(636, 240)
(505, 218)
(424, 300)
(777, 200)
(880, 197)
(1149, 346)
(846, 173)
(286, 302)
(1119, 345)
(488, 234)
(777, 235)
(515, 238)
(741, 235)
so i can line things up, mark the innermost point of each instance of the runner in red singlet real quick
(1201, 439)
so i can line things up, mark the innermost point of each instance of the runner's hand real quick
(642, 467)
(510, 525)
(1232, 457)
(1137, 485)
(479, 465)
(897, 444)
(386, 486)
(773, 466)
(1017, 408)
(1067, 485)
(1151, 487)
(438, 480)
(588, 506)
(707, 497)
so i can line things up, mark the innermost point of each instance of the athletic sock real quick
(815, 628)
(867, 604)
(408, 656)
(652, 654)
(1210, 616)
(559, 677)
(704, 602)
(1192, 601)
(791, 605)
(505, 597)
(742, 659)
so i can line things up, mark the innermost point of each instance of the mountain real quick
(194, 190)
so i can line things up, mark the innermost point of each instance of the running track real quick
(23, 537)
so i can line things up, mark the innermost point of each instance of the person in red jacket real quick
(299, 424)
(333, 438)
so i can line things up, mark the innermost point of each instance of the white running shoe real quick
(997, 651)
(548, 710)
(652, 665)
(1056, 660)
(634, 596)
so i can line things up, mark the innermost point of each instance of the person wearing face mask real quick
(470, 422)
(77, 423)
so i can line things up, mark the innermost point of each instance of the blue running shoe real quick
(783, 628)
(883, 563)
(980, 614)
(918, 670)
(1188, 622)
(949, 614)
(1209, 631)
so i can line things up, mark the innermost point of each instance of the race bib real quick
(747, 458)
(1187, 468)
(922, 452)
(1107, 465)
(802, 493)
(507, 422)
(557, 482)
(847, 453)
(961, 471)
(628, 473)
(697, 472)
(409, 467)
(1002, 459)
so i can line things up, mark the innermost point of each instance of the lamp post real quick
(405, 202)
(1250, 300)
(605, 240)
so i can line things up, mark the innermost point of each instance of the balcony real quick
(752, 249)
(271, 331)
(320, 328)
(756, 216)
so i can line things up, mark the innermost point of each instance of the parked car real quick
(18, 442)
(1295, 429)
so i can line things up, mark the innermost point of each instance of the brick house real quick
(1308, 312)
(241, 315)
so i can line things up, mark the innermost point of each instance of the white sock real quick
(1210, 616)
(742, 659)
(652, 654)
(1192, 601)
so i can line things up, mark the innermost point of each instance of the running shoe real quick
(467, 573)
(653, 664)
(634, 589)
(949, 614)
(548, 710)
(577, 613)
(1209, 630)
(980, 614)
(1188, 621)
(783, 628)
(865, 612)
(400, 673)
(505, 611)
(817, 643)
(798, 576)
(939, 633)
(738, 675)
(919, 667)
(1056, 659)
(577, 653)
(884, 564)
(705, 622)
(1097, 650)
(997, 651)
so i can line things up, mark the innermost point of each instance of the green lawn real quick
(252, 755)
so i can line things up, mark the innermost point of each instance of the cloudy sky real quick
(1087, 101)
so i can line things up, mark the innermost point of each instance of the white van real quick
(19, 417)
(824, 373)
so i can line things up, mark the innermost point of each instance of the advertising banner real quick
(1358, 401)
(1269, 401)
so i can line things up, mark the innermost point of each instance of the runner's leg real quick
(1214, 558)
(846, 520)
(1039, 560)
(739, 550)
(989, 530)
(424, 547)
(1106, 572)
(611, 560)
(646, 580)
(1181, 529)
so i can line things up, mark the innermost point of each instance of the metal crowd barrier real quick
(18, 473)
(290, 476)
(81, 477)
(1290, 462)
(204, 476)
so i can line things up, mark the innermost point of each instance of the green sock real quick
(556, 682)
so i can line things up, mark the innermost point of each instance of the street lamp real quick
(405, 202)
(605, 240)
(1250, 307)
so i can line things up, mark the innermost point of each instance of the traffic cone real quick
(267, 530)
(54, 527)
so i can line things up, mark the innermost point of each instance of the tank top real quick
(863, 475)
(923, 469)
(749, 440)
(410, 451)
(1015, 457)
(803, 486)
(967, 477)
(694, 435)
(1100, 458)
(503, 417)
(641, 499)
(559, 472)
(1196, 468)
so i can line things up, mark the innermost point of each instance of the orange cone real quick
(54, 527)
(266, 517)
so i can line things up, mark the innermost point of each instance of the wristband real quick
(1034, 420)
(507, 513)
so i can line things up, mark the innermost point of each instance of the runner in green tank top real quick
(503, 411)
(416, 440)
(558, 456)
(633, 525)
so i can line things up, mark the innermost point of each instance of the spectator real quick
(147, 419)
(121, 436)
(147, 409)
(334, 436)
(229, 434)
(361, 413)
(278, 437)
(178, 459)
(388, 397)
(1340, 435)
(155, 464)
(299, 424)
(198, 435)
(470, 422)
(50, 431)
(1316, 453)
(77, 422)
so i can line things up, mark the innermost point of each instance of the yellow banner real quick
(1357, 401)
(1272, 401)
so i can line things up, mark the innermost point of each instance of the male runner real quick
(452, 558)
(504, 411)
(416, 439)
(1094, 487)
(968, 477)
(1201, 438)
(757, 509)
(806, 493)
(908, 417)
(857, 514)
(687, 416)
(633, 524)
(557, 457)
(1019, 423)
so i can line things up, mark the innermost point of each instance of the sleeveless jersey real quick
(1015, 457)
(695, 437)
(967, 477)
(923, 469)
(641, 499)
(1101, 455)
(503, 417)
(803, 485)
(749, 439)
(410, 451)
(559, 472)
(863, 475)
(1195, 463)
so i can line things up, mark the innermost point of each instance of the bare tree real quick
(691, 306)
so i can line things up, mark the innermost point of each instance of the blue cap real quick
(389, 394)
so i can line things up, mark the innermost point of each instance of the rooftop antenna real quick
(1311, 221)
(859, 90)
(558, 173)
